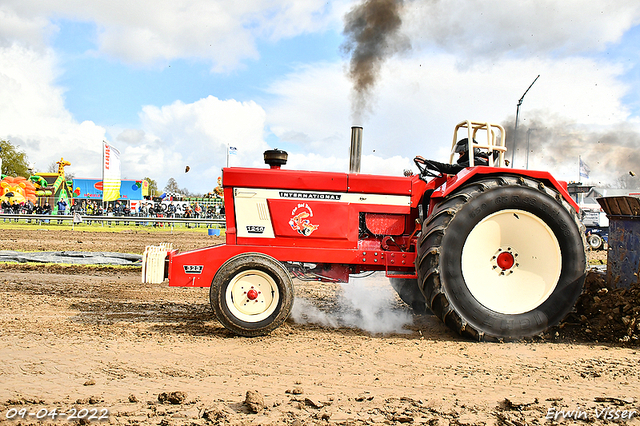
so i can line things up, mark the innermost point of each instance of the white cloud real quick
(152, 33)
(195, 135)
(312, 161)
(426, 92)
(33, 116)
(29, 31)
(419, 100)
(311, 110)
(486, 29)
(225, 33)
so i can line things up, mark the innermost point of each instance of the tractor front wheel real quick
(502, 258)
(252, 294)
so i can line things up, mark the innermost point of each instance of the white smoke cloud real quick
(364, 303)
(305, 312)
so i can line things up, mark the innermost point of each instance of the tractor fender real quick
(471, 174)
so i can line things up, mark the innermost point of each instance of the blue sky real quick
(173, 84)
(108, 91)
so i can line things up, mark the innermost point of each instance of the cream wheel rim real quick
(511, 261)
(252, 295)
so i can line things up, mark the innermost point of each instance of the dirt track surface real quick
(96, 338)
(121, 242)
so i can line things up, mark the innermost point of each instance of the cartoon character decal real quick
(16, 190)
(300, 222)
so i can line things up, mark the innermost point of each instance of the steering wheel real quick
(431, 168)
(425, 167)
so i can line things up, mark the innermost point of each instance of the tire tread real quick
(434, 230)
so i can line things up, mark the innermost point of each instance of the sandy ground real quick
(74, 338)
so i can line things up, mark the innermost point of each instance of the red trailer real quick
(495, 252)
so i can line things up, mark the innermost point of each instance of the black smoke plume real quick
(613, 155)
(372, 31)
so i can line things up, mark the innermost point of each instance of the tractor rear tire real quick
(252, 294)
(502, 258)
(410, 293)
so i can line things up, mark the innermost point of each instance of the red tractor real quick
(496, 253)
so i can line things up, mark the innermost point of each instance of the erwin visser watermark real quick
(579, 413)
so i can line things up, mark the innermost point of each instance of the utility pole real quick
(528, 149)
(515, 131)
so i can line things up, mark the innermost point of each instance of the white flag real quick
(584, 169)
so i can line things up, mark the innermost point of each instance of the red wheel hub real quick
(505, 260)
(252, 294)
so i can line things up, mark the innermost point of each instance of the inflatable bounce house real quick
(39, 189)
(54, 187)
(17, 190)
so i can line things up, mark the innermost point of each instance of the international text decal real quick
(310, 195)
(300, 220)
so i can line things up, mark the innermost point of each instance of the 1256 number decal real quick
(193, 269)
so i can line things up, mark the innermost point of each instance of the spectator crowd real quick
(178, 209)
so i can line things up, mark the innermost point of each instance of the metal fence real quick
(75, 219)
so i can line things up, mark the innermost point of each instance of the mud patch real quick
(603, 313)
